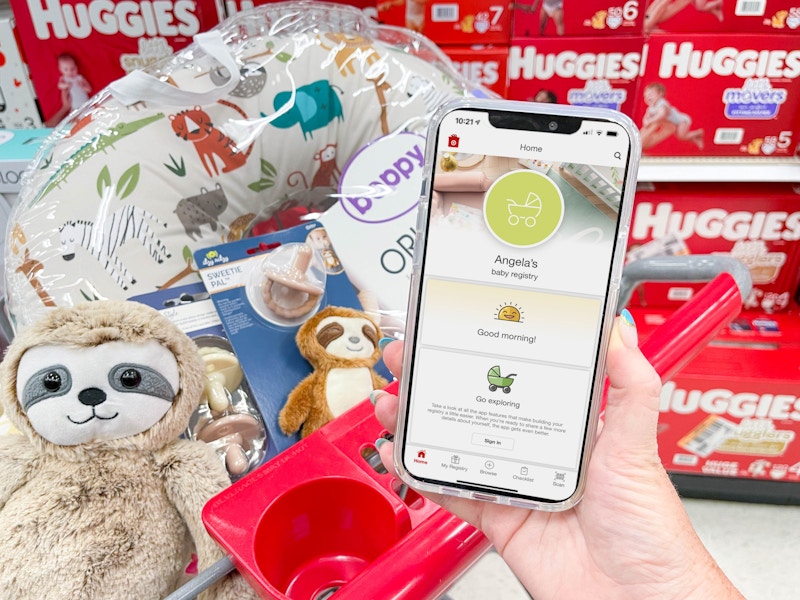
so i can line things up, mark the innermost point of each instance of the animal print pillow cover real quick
(123, 193)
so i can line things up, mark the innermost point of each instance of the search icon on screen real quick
(618, 155)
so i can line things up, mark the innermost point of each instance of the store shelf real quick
(655, 169)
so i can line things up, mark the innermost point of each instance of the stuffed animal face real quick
(75, 395)
(100, 376)
(347, 337)
(339, 336)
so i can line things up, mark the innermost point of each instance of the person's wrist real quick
(695, 575)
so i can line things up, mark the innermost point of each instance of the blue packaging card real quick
(188, 306)
(266, 349)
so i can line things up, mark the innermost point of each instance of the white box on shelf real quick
(18, 107)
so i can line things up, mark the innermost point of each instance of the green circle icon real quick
(523, 208)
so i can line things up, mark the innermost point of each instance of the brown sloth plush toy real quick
(342, 346)
(99, 499)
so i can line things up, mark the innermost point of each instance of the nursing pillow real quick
(255, 119)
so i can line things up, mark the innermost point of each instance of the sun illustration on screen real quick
(510, 312)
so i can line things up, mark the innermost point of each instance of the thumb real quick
(631, 414)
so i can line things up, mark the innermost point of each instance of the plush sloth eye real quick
(130, 378)
(51, 381)
(140, 379)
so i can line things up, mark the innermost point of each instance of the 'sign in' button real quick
(491, 441)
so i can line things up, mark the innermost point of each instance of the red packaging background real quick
(468, 21)
(520, 88)
(778, 16)
(370, 7)
(485, 65)
(759, 366)
(97, 55)
(587, 18)
(702, 98)
(732, 198)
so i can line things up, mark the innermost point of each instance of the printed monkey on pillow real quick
(342, 346)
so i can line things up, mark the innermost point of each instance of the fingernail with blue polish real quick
(383, 341)
(380, 442)
(628, 329)
(374, 395)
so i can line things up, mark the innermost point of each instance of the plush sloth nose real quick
(92, 396)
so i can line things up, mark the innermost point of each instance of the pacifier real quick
(224, 420)
(223, 373)
(289, 285)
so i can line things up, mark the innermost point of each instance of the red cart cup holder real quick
(318, 536)
(323, 517)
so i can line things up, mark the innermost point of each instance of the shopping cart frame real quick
(429, 548)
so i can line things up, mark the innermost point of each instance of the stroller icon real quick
(527, 212)
(496, 380)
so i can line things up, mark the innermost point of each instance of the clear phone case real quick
(619, 199)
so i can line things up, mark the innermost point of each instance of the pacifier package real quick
(292, 316)
(227, 418)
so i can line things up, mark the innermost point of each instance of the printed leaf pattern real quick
(127, 183)
(178, 168)
(88, 298)
(268, 172)
(103, 181)
(125, 186)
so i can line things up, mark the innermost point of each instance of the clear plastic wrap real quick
(182, 156)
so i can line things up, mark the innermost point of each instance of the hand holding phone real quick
(518, 259)
(630, 536)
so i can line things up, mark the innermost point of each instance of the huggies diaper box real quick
(599, 72)
(756, 223)
(716, 16)
(370, 7)
(451, 21)
(482, 65)
(588, 18)
(729, 424)
(719, 95)
(78, 47)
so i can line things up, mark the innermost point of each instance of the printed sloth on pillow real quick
(342, 346)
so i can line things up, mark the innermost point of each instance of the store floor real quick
(755, 544)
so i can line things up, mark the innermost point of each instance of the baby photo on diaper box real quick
(79, 48)
(297, 327)
(719, 95)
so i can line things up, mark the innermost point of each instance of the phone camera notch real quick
(552, 125)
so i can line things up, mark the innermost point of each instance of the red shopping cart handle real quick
(679, 339)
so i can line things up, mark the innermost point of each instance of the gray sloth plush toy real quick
(99, 499)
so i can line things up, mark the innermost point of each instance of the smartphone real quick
(519, 251)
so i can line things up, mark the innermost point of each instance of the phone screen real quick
(513, 300)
